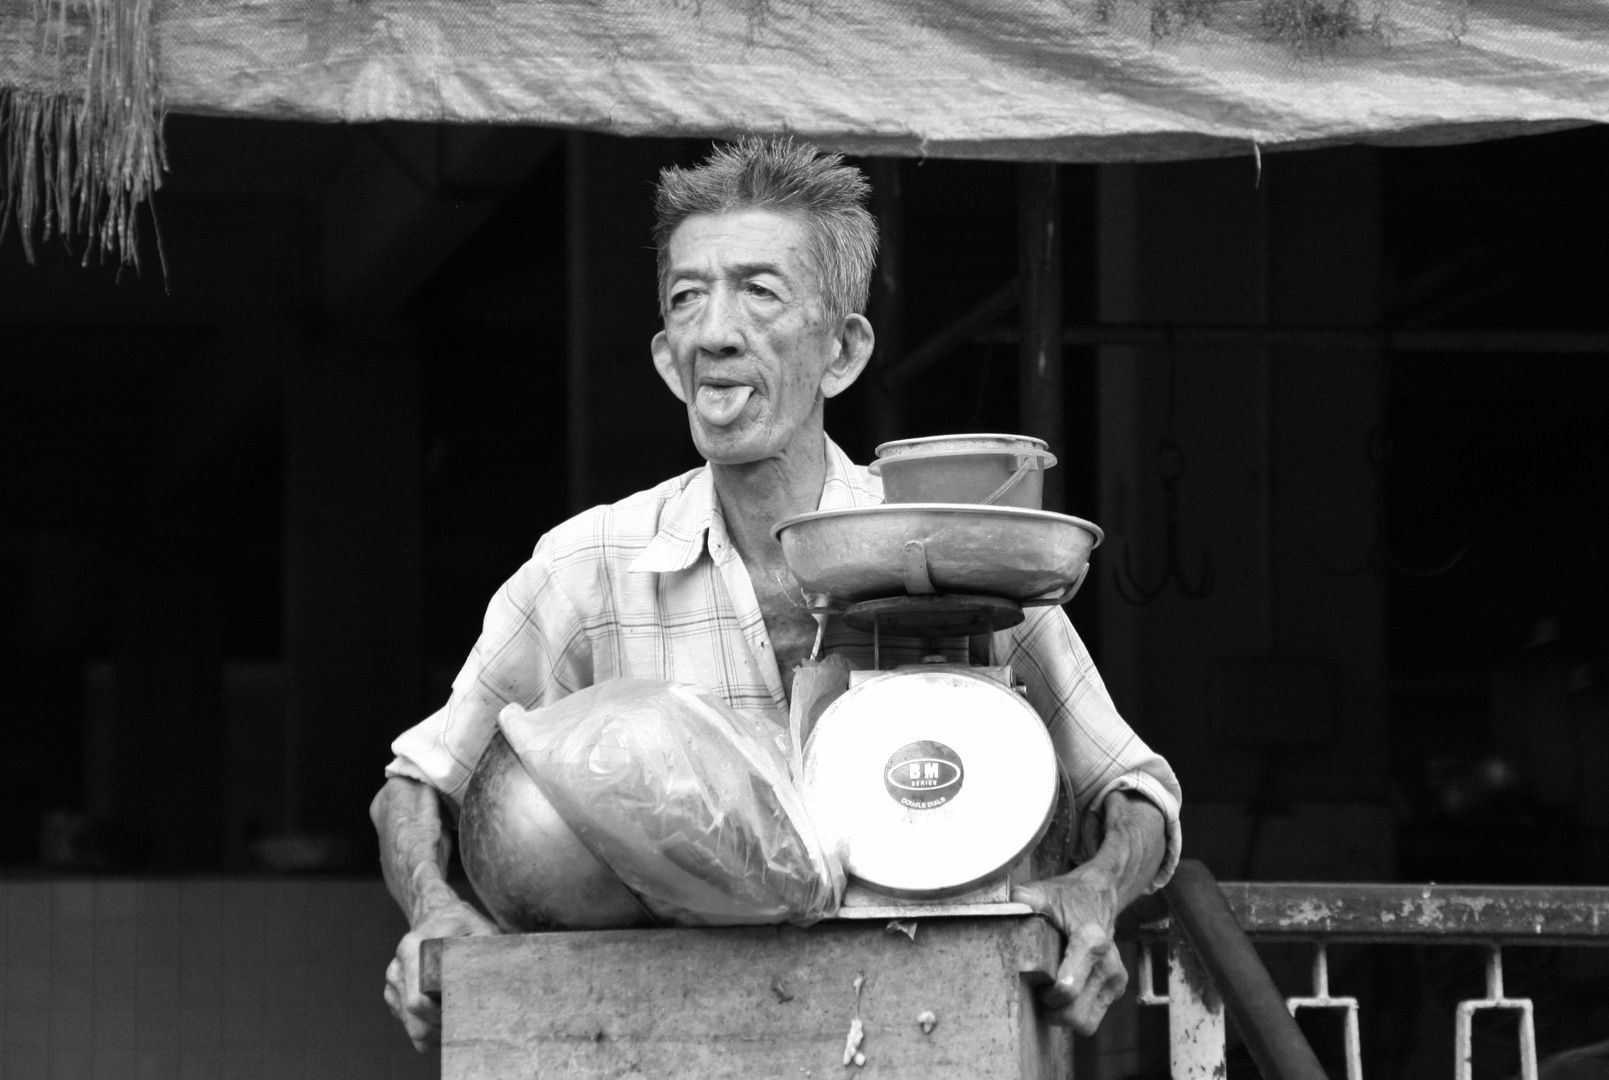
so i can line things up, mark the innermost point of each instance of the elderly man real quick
(765, 255)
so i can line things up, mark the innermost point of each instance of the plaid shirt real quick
(651, 588)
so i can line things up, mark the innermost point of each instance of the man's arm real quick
(1084, 904)
(413, 856)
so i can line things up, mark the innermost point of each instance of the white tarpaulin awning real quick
(1059, 80)
(1045, 79)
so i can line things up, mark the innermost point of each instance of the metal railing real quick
(1214, 969)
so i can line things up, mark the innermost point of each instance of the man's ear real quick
(665, 364)
(855, 343)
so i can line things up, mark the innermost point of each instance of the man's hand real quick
(1084, 905)
(420, 1013)
(413, 856)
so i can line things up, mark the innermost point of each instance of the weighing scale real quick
(934, 780)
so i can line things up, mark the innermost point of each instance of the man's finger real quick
(423, 1028)
(1091, 977)
(1106, 983)
(393, 988)
(1086, 946)
(420, 1014)
(425, 1008)
(423, 1035)
(419, 1005)
(408, 957)
(420, 1033)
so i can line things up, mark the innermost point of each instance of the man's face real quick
(746, 343)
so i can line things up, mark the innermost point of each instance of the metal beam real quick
(1444, 914)
(1370, 339)
(1040, 409)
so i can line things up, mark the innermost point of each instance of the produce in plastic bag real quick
(687, 800)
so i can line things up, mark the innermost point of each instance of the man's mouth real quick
(719, 404)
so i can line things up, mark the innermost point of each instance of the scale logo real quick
(922, 775)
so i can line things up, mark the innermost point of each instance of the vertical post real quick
(1224, 960)
(884, 404)
(1195, 1014)
(1040, 379)
(1321, 999)
(1464, 1021)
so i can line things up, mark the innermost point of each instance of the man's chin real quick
(728, 448)
(738, 443)
(728, 456)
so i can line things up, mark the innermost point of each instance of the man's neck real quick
(755, 497)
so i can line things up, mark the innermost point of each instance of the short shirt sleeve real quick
(532, 650)
(1098, 751)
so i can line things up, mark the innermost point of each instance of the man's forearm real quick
(1131, 850)
(414, 847)
(413, 856)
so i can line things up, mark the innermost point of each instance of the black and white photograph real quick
(804, 539)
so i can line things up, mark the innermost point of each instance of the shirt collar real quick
(691, 521)
(846, 483)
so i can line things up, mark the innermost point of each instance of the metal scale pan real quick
(871, 552)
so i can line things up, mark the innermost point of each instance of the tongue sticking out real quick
(720, 405)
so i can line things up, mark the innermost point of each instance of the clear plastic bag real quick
(688, 800)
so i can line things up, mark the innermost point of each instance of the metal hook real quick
(1170, 465)
(1170, 468)
(1379, 558)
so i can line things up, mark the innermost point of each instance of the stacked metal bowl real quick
(961, 515)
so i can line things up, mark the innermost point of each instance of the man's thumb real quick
(1031, 895)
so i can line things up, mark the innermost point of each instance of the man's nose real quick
(720, 325)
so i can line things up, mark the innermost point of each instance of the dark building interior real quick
(256, 494)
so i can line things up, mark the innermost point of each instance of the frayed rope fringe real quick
(81, 159)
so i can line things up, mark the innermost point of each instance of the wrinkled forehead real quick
(740, 241)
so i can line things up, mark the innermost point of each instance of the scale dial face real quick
(930, 783)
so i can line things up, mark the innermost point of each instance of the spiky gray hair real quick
(779, 174)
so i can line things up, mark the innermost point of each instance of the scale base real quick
(993, 897)
(934, 616)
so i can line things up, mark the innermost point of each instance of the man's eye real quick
(681, 297)
(756, 289)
